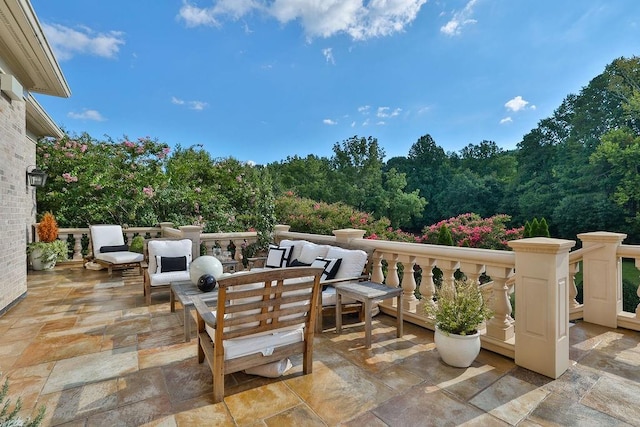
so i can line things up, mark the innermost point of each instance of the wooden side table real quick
(366, 292)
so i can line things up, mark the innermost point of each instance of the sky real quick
(262, 80)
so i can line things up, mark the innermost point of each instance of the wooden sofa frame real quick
(237, 318)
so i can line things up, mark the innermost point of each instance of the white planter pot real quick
(36, 262)
(457, 350)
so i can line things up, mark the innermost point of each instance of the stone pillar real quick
(279, 228)
(192, 232)
(164, 225)
(346, 234)
(601, 277)
(542, 304)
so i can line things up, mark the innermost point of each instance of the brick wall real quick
(17, 201)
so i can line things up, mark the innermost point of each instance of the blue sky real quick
(261, 80)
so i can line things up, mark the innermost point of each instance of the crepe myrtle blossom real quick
(69, 178)
(148, 191)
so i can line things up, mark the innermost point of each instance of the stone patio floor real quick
(88, 348)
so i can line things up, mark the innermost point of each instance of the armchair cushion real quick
(168, 248)
(108, 245)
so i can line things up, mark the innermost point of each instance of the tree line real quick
(578, 169)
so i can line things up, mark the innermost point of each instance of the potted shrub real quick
(48, 249)
(458, 312)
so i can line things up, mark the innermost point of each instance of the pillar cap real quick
(542, 245)
(602, 237)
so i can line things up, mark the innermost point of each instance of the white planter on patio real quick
(457, 350)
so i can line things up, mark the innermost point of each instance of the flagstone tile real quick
(615, 396)
(161, 356)
(261, 402)
(90, 368)
(132, 415)
(77, 403)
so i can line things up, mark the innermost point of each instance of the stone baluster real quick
(409, 300)
(448, 270)
(472, 271)
(500, 326)
(393, 280)
(574, 268)
(377, 275)
(77, 246)
(427, 287)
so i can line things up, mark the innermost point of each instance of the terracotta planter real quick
(457, 350)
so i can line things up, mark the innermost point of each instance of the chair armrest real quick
(204, 311)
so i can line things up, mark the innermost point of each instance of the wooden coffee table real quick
(183, 290)
(366, 292)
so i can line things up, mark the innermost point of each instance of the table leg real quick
(187, 323)
(399, 316)
(338, 312)
(172, 300)
(367, 322)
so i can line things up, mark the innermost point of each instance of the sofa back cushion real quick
(352, 264)
(296, 246)
(311, 251)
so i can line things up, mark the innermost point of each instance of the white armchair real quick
(168, 262)
(109, 249)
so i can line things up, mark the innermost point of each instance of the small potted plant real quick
(48, 249)
(458, 312)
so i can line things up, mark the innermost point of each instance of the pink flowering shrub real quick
(470, 230)
(308, 216)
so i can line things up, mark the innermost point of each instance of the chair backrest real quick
(167, 248)
(105, 235)
(255, 303)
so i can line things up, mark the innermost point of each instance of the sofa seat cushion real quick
(163, 279)
(122, 257)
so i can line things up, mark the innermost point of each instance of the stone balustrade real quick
(203, 243)
(539, 272)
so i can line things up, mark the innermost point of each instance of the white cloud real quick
(192, 105)
(198, 105)
(364, 109)
(517, 104)
(506, 120)
(377, 18)
(329, 122)
(353, 124)
(386, 112)
(67, 42)
(460, 19)
(328, 55)
(87, 115)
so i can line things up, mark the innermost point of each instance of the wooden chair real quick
(109, 249)
(159, 275)
(260, 317)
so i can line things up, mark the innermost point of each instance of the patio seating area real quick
(90, 349)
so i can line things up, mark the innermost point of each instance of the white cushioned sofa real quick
(340, 266)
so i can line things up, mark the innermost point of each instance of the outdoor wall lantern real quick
(36, 177)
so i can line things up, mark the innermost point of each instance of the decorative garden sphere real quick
(202, 265)
(207, 283)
